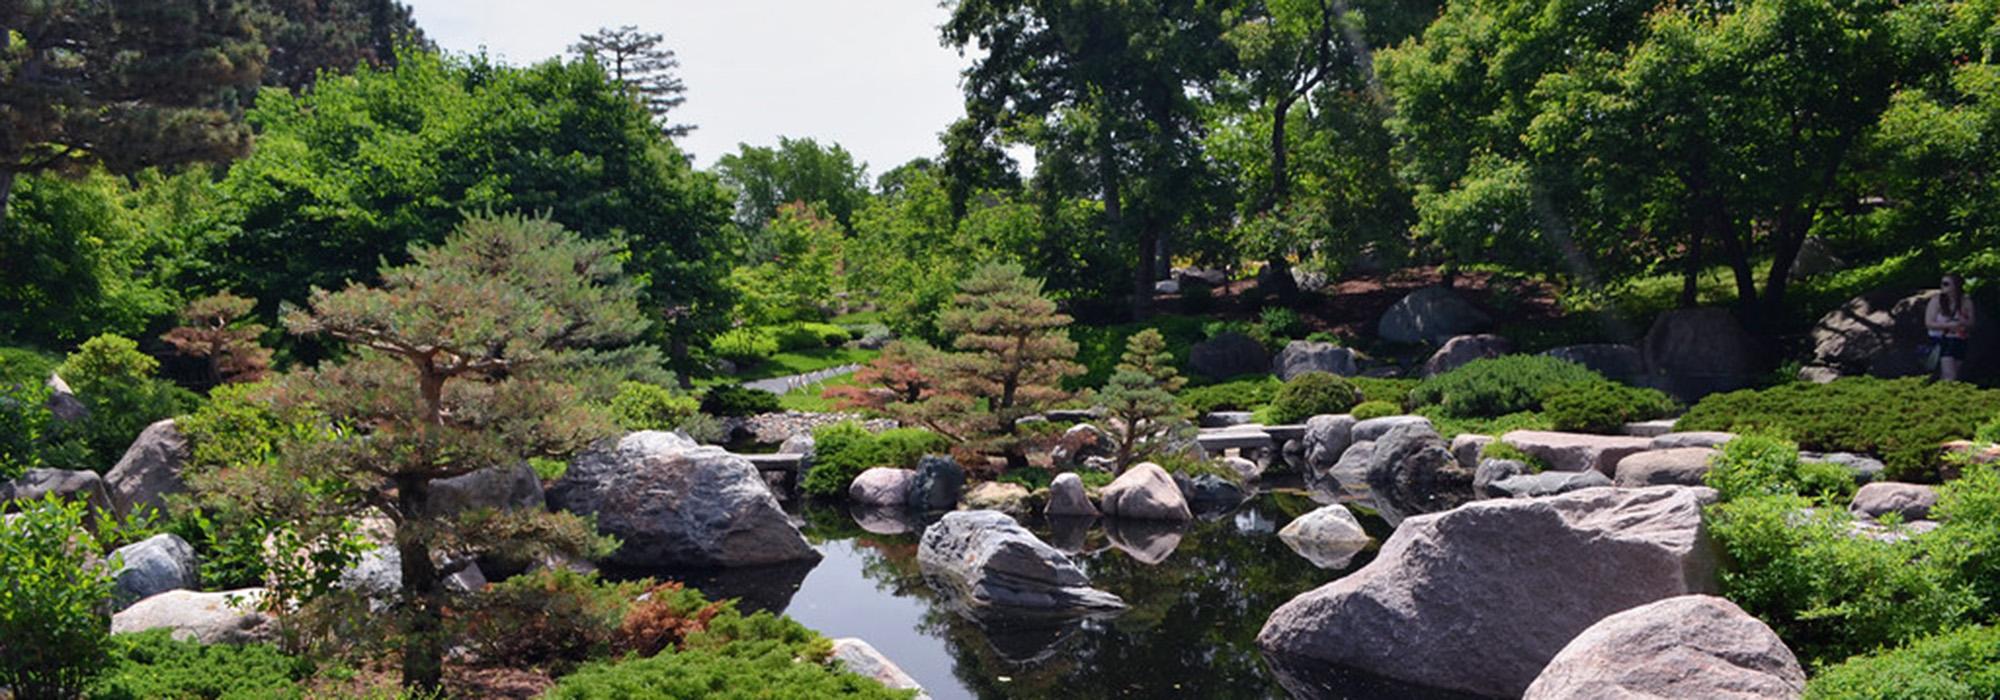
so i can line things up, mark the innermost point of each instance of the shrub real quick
(1277, 325)
(1968, 539)
(1962, 663)
(735, 400)
(1100, 348)
(843, 450)
(24, 366)
(1449, 426)
(115, 381)
(1394, 390)
(1761, 465)
(765, 670)
(1191, 467)
(792, 337)
(548, 617)
(1988, 432)
(642, 406)
(152, 664)
(1500, 450)
(1311, 394)
(1900, 420)
(1498, 386)
(1243, 394)
(52, 591)
(1375, 409)
(24, 426)
(744, 344)
(1603, 407)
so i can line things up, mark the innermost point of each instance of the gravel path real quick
(784, 385)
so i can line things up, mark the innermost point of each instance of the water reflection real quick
(1146, 541)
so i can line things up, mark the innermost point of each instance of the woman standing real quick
(1949, 318)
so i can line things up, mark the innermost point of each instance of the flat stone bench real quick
(1215, 441)
(783, 466)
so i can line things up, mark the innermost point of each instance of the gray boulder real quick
(1430, 315)
(679, 506)
(1412, 471)
(861, 658)
(500, 488)
(1492, 471)
(1619, 362)
(1145, 492)
(1692, 646)
(881, 486)
(152, 566)
(1326, 439)
(1466, 447)
(65, 484)
(1349, 476)
(1374, 428)
(1067, 497)
(1679, 466)
(1910, 501)
(1865, 469)
(1465, 348)
(1545, 484)
(223, 617)
(1479, 599)
(150, 469)
(1815, 258)
(984, 562)
(937, 484)
(1209, 492)
(1700, 351)
(1695, 438)
(1228, 355)
(1328, 536)
(63, 403)
(1302, 356)
(1575, 452)
(1247, 469)
(1009, 498)
(1080, 442)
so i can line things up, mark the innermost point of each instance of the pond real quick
(1198, 594)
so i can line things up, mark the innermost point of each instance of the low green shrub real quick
(1987, 432)
(53, 625)
(24, 427)
(151, 665)
(1763, 465)
(1030, 478)
(115, 382)
(763, 670)
(1394, 390)
(1604, 406)
(1311, 394)
(1192, 467)
(1242, 394)
(642, 406)
(736, 400)
(1903, 421)
(1449, 426)
(1277, 326)
(24, 366)
(1096, 479)
(806, 336)
(1375, 409)
(1962, 663)
(1497, 386)
(1500, 450)
(843, 450)
(1968, 538)
(744, 345)
(545, 618)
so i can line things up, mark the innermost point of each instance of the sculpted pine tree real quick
(128, 84)
(213, 334)
(636, 59)
(1014, 355)
(1138, 401)
(459, 362)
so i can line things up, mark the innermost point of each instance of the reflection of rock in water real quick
(1019, 637)
(1070, 533)
(1252, 522)
(755, 588)
(884, 520)
(1148, 542)
(1306, 679)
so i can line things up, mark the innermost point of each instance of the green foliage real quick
(1497, 386)
(808, 336)
(791, 268)
(53, 585)
(1375, 409)
(1603, 407)
(24, 427)
(547, 618)
(745, 344)
(115, 381)
(798, 170)
(96, 254)
(735, 400)
(1449, 426)
(1243, 394)
(1311, 394)
(1961, 664)
(1987, 433)
(1277, 325)
(765, 670)
(1393, 390)
(151, 665)
(1099, 348)
(1901, 420)
(1761, 465)
(1500, 450)
(1139, 400)
(843, 450)
(641, 406)
(1969, 538)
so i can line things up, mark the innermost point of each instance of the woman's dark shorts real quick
(1953, 348)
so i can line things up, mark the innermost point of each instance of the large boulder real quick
(67, 485)
(881, 486)
(150, 469)
(1493, 471)
(983, 562)
(1466, 448)
(1228, 355)
(500, 488)
(1067, 497)
(1617, 361)
(1865, 469)
(679, 506)
(222, 617)
(1910, 501)
(1326, 439)
(1080, 442)
(1302, 356)
(1430, 315)
(1679, 466)
(1146, 492)
(1480, 598)
(1412, 471)
(1693, 438)
(860, 658)
(1696, 352)
(1815, 258)
(154, 565)
(1349, 476)
(1009, 498)
(63, 403)
(1328, 536)
(1545, 484)
(1575, 452)
(1374, 428)
(1692, 646)
(1465, 348)
(1880, 333)
(937, 484)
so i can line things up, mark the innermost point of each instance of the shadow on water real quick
(1198, 594)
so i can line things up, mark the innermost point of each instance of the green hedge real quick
(1604, 406)
(1375, 409)
(764, 670)
(735, 400)
(1963, 663)
(1903, 421)
(152, 666)
(1394, 390)
(1310, 394)
(1492, 387)
(843, 450)
(1241, 394)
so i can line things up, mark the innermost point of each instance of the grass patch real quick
(786, 364)
(808, 399)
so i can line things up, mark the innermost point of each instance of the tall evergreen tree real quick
(647, 69)
(1139, 402)
(128, 84)
(1014, 354)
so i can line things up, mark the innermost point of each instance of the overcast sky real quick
(870, 75)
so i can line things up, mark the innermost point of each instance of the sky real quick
(870, 75)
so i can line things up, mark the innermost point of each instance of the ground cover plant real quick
(1903, 421)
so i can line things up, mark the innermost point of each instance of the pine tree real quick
(1138, 401)
(636, 59)
(309, 36)
(1014, 356)
(213, 334)
(460, 360)
(128, 84)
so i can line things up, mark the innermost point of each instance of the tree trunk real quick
(423, 593)
(1789, 237)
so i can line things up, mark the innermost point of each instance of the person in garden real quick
(1949, 318)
